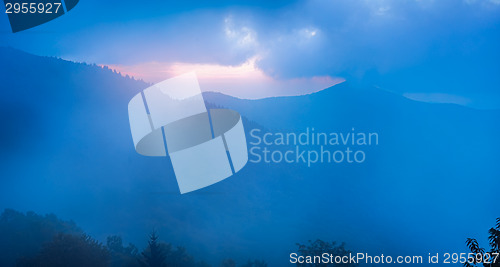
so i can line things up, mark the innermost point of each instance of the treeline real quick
(483, 256)
(46, 241)
(29, 239)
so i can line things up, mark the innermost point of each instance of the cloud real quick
(403, 46)
(471, 2)
(243, 81)
(243, 36)
(438, 98)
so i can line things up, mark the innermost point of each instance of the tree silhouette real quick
(28, 239)
(494, 252)
(122, 256)
(319, 247)
(24, 234)
(156, 253)
(180, 257)
(70, 250)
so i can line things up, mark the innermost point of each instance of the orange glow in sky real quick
(243, 81)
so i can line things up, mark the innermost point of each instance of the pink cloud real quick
(243, 81)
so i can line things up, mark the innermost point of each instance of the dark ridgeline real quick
(46, 241)
(67, 143)
(69, 250)
(22, 235)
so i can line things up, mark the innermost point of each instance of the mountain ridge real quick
(67, 142)
(5, 50)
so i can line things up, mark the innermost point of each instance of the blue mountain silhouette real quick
(67, 149)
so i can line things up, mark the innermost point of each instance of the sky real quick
(435, 51)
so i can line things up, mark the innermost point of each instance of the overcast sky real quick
(441, 51)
